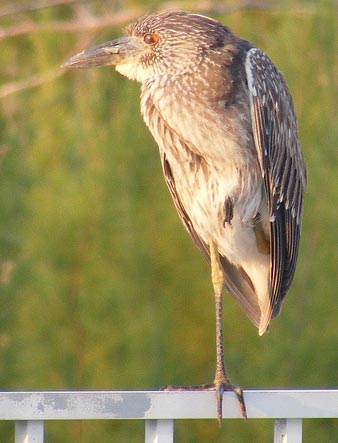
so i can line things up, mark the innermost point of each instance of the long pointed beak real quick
(113, 52)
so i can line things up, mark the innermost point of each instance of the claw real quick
(238, 391)
(219, 388)
(219, 404)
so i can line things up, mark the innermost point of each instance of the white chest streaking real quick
(207, 163)
(205, 176)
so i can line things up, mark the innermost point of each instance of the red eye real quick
(151, 39)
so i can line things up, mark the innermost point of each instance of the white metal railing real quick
(160, 409)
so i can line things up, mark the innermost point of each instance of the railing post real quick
(29, 431)
(159, 431)
(288, 430)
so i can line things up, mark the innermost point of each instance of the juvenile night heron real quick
(225, 125)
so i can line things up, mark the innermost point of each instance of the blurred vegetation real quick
(101, 287)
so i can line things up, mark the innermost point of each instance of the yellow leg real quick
(221, 381)
(218, 282)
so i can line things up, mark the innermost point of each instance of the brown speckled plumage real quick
(225, 125)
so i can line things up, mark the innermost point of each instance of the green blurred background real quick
(101, 287)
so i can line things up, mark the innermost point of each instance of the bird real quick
(225, 125)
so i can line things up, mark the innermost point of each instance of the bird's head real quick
(166, 43)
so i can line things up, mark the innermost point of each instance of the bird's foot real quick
(219, 385)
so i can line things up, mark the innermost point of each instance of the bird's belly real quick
(204, 193)
(203, 196)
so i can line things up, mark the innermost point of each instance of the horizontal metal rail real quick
(288, 407)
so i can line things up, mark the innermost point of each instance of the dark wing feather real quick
(283, 170)
(180, 208)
